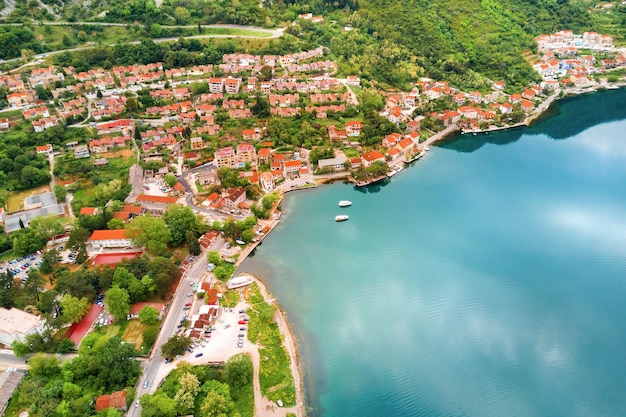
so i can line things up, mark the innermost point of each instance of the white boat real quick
(345, 203)
(341, 218)
(240, 281)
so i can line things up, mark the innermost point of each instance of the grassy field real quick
(275, 375)
(235, 32)
(122, 153)
(134, 333)
(15, 202)
(77, 36)
(231, 298)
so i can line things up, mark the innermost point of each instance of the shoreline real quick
(280, 317)
(291, 346)
(289, 341)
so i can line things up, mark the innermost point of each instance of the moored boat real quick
(341, 218)
(240, 281)
(345, 203)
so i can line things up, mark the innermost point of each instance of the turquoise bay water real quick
(487, 280)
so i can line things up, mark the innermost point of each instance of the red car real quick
(243, 322)
(188, 305)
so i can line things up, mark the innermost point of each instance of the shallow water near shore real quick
(487, 280)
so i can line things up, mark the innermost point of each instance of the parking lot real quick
(20, 267)
(228, 337)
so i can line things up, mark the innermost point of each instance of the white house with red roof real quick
(354, 127)
(110, 239)
(371, 157)
(291, 167)
(390, 140)
(44, 149)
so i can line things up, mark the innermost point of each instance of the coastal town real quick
(126, 152)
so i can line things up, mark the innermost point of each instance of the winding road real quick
(273, 33)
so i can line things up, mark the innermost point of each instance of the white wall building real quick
(16, 324)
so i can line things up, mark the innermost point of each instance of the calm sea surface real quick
(487, 280)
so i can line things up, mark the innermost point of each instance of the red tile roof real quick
(108, 234)
(122, 215)
(373, 156)
(114, 400)
(89, 211)
(132, 209)
(78, 330)
(211, 296)
(156, 199)
(136, 308)
(295, 163)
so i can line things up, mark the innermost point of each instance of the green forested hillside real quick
(465, 42)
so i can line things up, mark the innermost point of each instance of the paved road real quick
(274, 33)
(168, 329)
(135, 179)
(189, 199)
(9, 360)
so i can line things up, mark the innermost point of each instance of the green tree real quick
(150, 232)
(43, 365)
(118, 366)
(214, 257)
(49, 259)
(122, 277)
(25, 241)
(115, 224)
(149, 337)
(46, 227)
(186, 395)
(175, 345)
(119, 302)
(33, 284)
(218, 402)
(43, 93)
(179, 221)
(192, 243)
(20, 349)
(6, 290)
(149, 315)
(170, 180)
(73, 308)
(238, 371)
(261, 107)
(157, 405)
(181, 15)
(60, 193)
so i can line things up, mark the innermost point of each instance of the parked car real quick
(242, 322)
(199, 354)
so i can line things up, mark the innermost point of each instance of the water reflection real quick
(581, 113)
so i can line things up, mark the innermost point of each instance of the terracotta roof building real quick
(114, 400)
(110, 239)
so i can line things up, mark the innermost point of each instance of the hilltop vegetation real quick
(466, 42)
